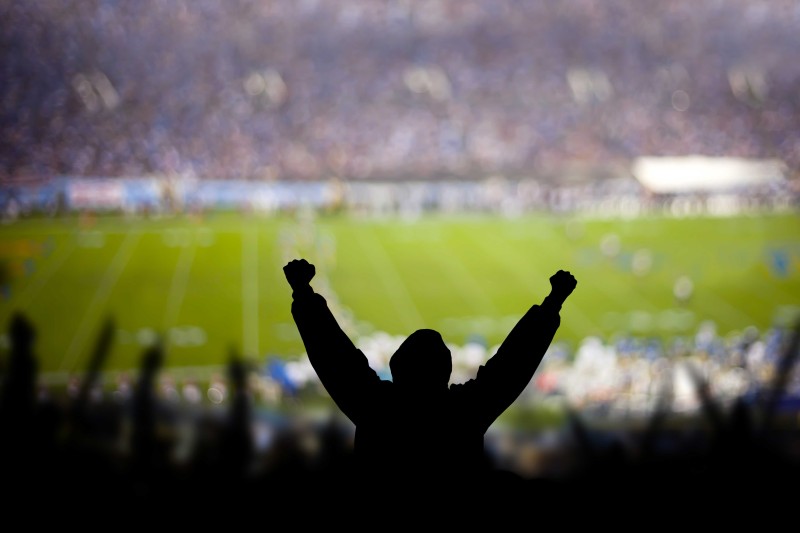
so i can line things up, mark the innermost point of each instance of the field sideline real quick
(216, 284)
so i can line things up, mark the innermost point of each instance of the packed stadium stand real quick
(358, 89)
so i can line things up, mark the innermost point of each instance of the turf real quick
(215, 284)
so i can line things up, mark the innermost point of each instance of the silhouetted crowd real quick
(74, 449)
(304, 90)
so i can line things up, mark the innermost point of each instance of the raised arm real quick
(503, 378)
(343, 369)
(562, 283)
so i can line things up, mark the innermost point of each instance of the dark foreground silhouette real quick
(138, 455)
(418, 434)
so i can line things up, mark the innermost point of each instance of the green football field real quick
(212, 285)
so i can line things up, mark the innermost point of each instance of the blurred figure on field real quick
(417, 432)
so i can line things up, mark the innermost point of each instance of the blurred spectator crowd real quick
(257, 89)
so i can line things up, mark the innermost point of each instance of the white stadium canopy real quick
(666, 175)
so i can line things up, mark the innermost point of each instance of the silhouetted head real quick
(422, 362)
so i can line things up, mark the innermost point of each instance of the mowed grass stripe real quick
(454, 259)
(29, 293)
(250, 320)
(91, 316)
(673, 248)
(526, 264)
(434, 258)
(179, 284)
(721, 258)
(141, 300)
(466, 264)
(419, 252)
(712, 256)
(213, 300)
(551, 251)
(718, 308)
(59, 307)
(352, 276)
(394, 285)
(468, 287)
(278, 332)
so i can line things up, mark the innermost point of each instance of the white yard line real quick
(180, 280)
(392, 281)
(91, 316)
(250, 292)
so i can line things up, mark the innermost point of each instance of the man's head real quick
(422, 361)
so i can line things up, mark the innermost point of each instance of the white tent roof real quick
(705, 174)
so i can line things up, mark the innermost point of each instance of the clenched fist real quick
(562, 283)
(299, 273)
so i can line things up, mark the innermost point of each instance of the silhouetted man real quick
(418, 430)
